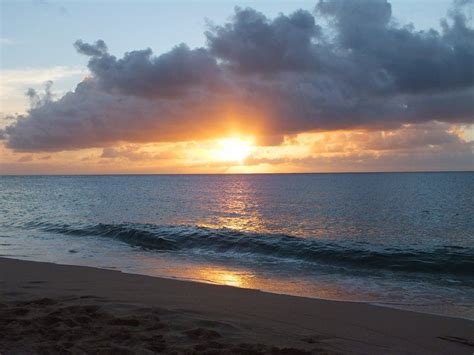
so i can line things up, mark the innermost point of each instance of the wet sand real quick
(49, 308)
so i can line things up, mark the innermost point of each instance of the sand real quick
(49, 308)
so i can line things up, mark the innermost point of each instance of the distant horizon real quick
(284, 173)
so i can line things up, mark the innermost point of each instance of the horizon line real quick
(287, 173)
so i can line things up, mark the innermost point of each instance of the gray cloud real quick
(268, 77)
(140, 73)
(252, 43)
(91, 117)
(99, 48)
(37, 99)
(416, 61)
(427, 137)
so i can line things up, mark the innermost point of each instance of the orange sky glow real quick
(338, 151)
(260, 93)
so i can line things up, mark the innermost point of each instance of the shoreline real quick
(396, 306)
(411, 307)
(239, 315)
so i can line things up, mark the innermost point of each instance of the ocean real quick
(403, 240)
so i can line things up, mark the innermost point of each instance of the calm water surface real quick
(402, 240)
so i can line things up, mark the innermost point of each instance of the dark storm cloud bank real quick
(266, 76)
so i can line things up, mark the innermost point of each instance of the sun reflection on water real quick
(237, 206)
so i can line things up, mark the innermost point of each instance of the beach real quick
(50, 308)
(237, 177)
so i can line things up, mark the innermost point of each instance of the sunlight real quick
(221, 276)
(233, 149)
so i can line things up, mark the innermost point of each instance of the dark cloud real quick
(416, 61)
(37, 99)
(252, 43)
(140, 73)
(91, 117)
(99, 48)
(267, 77)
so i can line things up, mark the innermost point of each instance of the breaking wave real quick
(448, 260)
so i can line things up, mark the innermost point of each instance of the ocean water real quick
(402, 240)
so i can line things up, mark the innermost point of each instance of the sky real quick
(219, 86)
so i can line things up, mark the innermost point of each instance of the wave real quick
(449, 260)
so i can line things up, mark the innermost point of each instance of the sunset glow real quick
(240, 154)
(233, 149)
(232, 100)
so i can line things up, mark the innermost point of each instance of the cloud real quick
(266, 77)
(141, 74)
(410, 60)
(97, 49)
(136, 153)
(90, 117)
(429, 146)
(252, 43)
(25, 159)
(408, 138)
(37, 100)
(15, 82)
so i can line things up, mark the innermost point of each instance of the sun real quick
(233, 149)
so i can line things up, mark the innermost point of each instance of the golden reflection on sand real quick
(222, 276)
(240, 277)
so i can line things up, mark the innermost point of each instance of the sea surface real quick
(401, 240)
